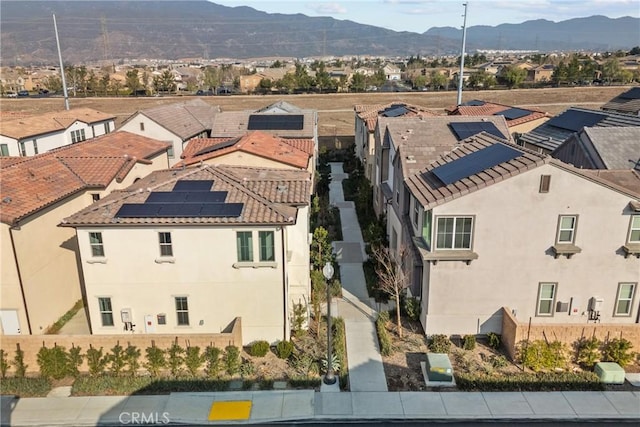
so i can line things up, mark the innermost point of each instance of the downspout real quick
(24, 298)
(285, 287)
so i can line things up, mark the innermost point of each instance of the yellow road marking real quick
(232, 410)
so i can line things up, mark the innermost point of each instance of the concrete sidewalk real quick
(307, 405)
(366, 371)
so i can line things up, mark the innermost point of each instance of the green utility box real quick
(438, 367)
(609, 373)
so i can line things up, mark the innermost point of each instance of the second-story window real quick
(634, 229)
(166, 248)
(567, 229)
(4, 150)
(97, 248)
(244, 243)
(267, 252)
(77, 136)
(454, 232)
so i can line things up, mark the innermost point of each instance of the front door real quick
(10, 323)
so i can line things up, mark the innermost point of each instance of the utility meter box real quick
(125, 315)
(609, 373)
(595, 303)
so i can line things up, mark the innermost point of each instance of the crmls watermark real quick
(144, 418)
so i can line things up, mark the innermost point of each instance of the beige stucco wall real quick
(10, 296)
(515, 227)
(202, 270)
(155, 131)
(238, 158)
(528, 126)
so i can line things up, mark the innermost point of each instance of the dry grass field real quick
(336, 110)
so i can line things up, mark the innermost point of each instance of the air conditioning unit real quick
(125, 315)
(595, 304)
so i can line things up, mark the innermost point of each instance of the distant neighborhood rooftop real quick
(370, 113)
(33, 125)
(627, 102)
(515, 116)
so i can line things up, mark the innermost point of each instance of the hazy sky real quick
(420, 15)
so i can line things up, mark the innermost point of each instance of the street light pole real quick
(328, 271)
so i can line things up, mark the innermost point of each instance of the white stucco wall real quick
(155, 131)
(515, 227)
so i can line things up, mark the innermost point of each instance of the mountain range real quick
(113, 30)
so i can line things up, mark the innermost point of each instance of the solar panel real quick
(222, 210)
(187, 197)
(474, 103)
(395, 111)
(192, 185)
(137, 210)
(575, 120)
(218, 146)
(276, 122)
(182, 210)
(475, 162)
(464, 130)
(633, 93)
(513, 113)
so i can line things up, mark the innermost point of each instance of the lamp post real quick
(328, 271)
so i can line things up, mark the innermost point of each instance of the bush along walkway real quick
(366, 372)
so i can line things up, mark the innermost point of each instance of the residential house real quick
(404, 145)
(255, 148)
(34, 134)
(39, 277)
(491, 224)
(366, 118)
(391, 72)
(188, 250)
(541, 73)
(602, 148)
(551, 134)
(519, 120)
(627, 102)
(175, 123)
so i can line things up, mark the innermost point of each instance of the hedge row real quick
(530, 381)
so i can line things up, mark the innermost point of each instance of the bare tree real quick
(391, 276)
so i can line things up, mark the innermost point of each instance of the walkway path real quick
(366, 372)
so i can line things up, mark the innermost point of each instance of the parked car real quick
(23, 93)
(11, 95)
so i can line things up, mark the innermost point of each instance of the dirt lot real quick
(335, 111)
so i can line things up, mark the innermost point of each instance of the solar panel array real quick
(189, 199)
(218, 146)
(575, 120)
(513, 113)
(475, 162)
(276, 122)
(395, 111)
(464, 130)
(633, 93)
(474, 103)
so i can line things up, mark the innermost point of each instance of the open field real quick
(336, 110)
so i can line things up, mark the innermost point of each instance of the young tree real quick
(391, 276)
(514, 76)
(438, 80)
(133, 81)
(357, 82)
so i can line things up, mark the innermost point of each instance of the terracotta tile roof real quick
(281, 193)
(370, 113)
(197, 144)
(25, 127)
(183, 119)
(33, 183)
(8, 115)
(428, 189)
(9, 160)
(490, 108)
(257, 143)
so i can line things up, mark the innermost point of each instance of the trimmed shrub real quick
(498, 361)
(231, 359)
(588, 351)
(132, 357)
(494, 340)
(383, 335)
(212, 361)
(529, 381)
(618, 351)
(25, 387)
(284, 349)
(538, 355)
(4, 364)
(117, 360)
(193, 360)
(259, 349)
(110, 385)
(18, 363)
(155, 360)
(96, 361)
(75, 361)
(469, 342)
(53, 362)
(439, 344)
(175, 359)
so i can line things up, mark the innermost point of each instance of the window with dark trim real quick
(4, 150)
(182, 311)
(142, 126)
(267, 252)
(166, 248)
(97, 247)
(106, 311)
(545, 183)
(244, 245)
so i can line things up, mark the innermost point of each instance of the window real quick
(4, 149)
(106, 127)
(634, 229)
(426, 227)
(97, 248)
(182, 311)
(95, 197)
(166, 249)
(170, 153)
(23, 149)
(35, 146)
(454, 232)
(106, 312)
(416, 212)
(624, 300)
(245, 246)
(546, 299)
(267, 252)
(567, 228)
(77, 136)
(142, 126)
(545, 183)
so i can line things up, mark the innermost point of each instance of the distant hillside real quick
(592, 33)
(113, 30)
